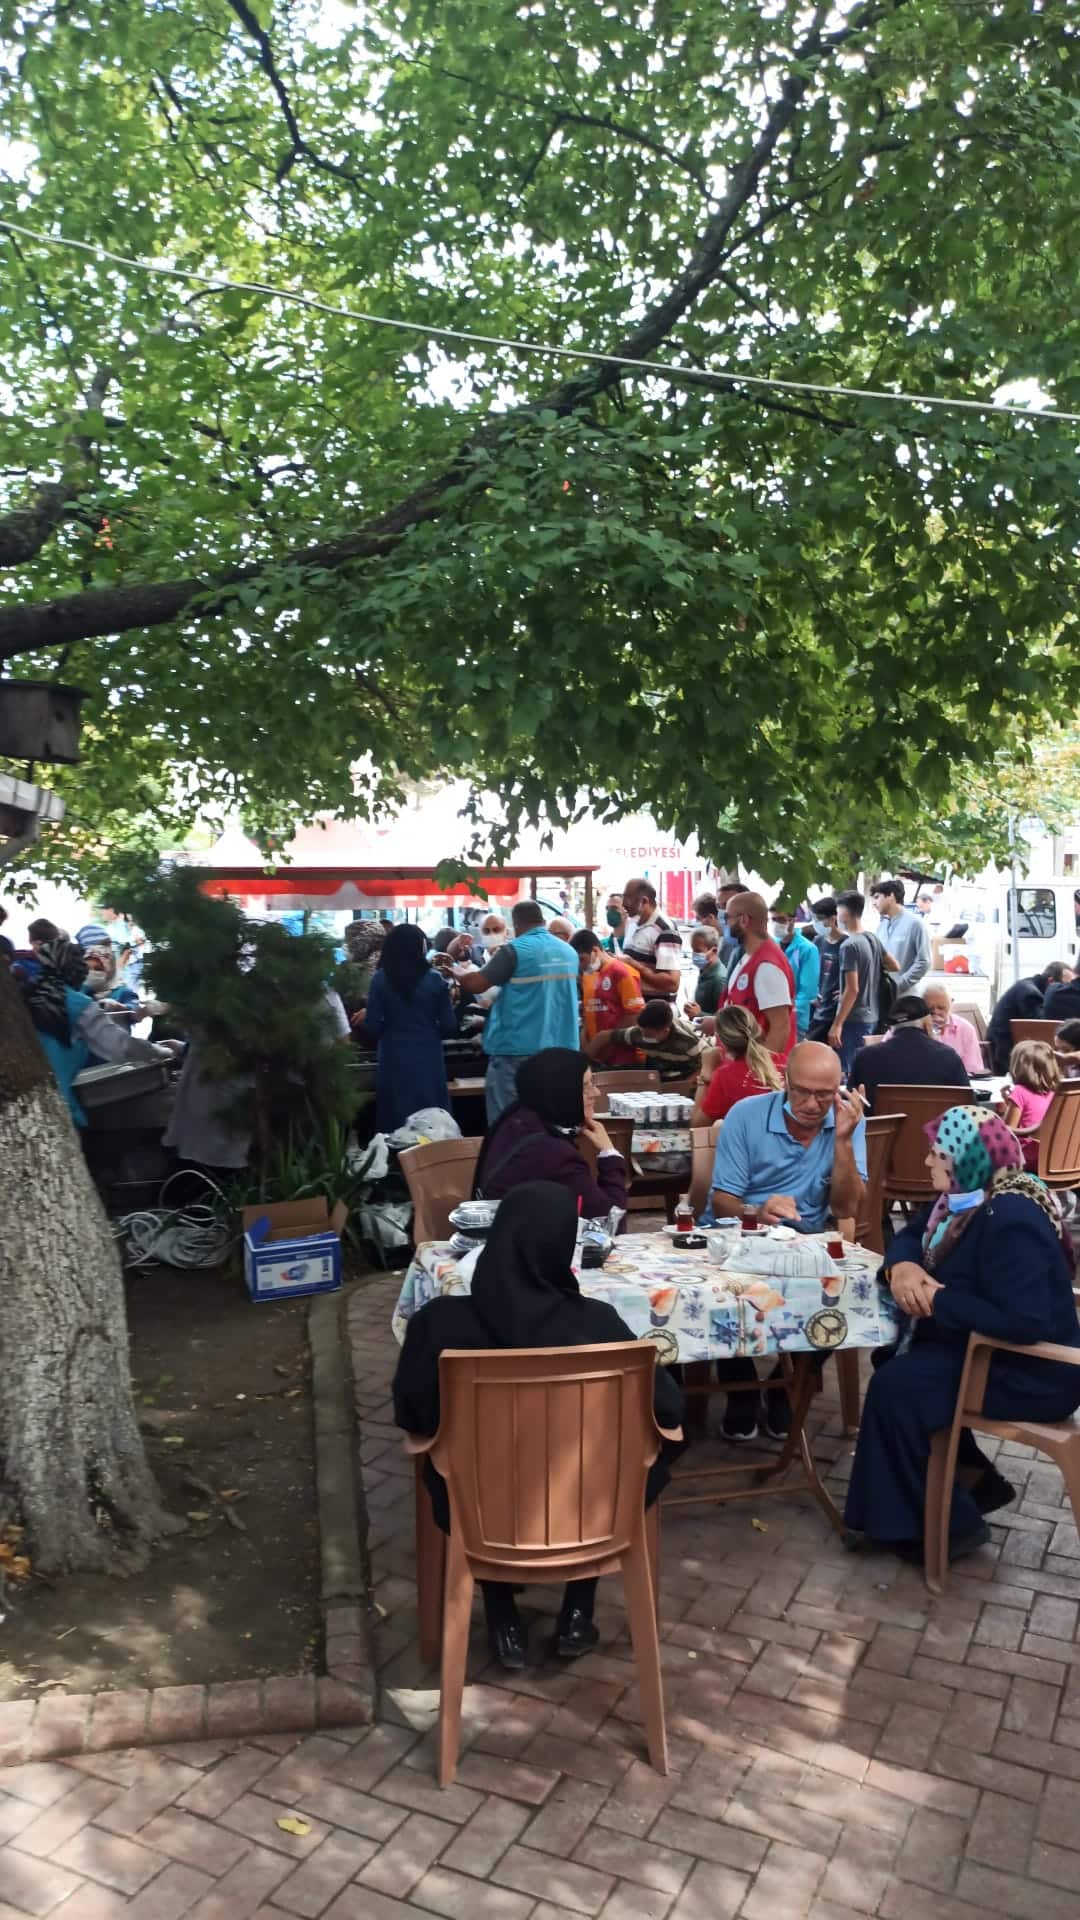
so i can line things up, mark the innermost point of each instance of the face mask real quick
(819, 926)
(964, 1202)
(489, 941)
(614, 917)
(594, 966)
(781, 934)
(700, 960)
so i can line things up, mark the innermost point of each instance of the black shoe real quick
(914, 1552)
(740, 1420)
(777, 1415)
(992, 1491)
(575, 1634)
(507, 1643)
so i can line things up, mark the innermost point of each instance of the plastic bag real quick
(386, 1224)
(429, 1123)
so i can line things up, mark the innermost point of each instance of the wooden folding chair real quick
(1059, 1440)
(545, 1455)
(881, 1133)
(702, 1154)
(439, 1177)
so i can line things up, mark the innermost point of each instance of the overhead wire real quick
(656, 369)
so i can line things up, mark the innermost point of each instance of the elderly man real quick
(562, 928)
(796, 1156)
(650, 943)
(709, 987)
(909, 1056)
(761, 979)
(952, 1029)
(710, 910)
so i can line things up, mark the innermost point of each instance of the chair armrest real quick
(416, 1444)
(982, 1347)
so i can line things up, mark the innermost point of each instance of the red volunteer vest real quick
(740, 989)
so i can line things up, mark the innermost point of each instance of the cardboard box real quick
(293, 1248)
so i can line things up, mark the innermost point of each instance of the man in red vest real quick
(762, 980)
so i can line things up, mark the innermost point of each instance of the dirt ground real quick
(223, 1393)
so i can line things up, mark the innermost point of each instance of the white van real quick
(1043, 917)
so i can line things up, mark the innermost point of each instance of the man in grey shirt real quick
(904, 940)
(860, 964)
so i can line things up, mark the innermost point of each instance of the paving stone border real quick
(75, 1723)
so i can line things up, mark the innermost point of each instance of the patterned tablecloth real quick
(696, 1309)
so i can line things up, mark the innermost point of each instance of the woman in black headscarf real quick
(534, 1139)
(524, 1294)
(409, 1014)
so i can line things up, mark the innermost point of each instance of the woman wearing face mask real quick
(990, 1256)
(535, 1138)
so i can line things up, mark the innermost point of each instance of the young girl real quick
(739, 1065)
(1067, 1049)
(1035, 1074)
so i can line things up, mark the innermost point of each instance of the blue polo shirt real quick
(757, 1157)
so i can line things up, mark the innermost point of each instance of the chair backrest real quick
(881, 1133)
(630, 1080)
(439, 1177)
(906, 1177)
(702, 1154)
(1033, 1030)
(545, 1452)
(967, 1010)
(1059, 1138)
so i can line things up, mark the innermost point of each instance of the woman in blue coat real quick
(990, 1256)
(409, 1013)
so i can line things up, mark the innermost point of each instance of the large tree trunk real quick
(72, 1467)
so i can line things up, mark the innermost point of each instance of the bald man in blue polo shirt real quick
(796, 1156)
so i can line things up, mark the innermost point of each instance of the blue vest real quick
(538, 1006)
(67, 1061)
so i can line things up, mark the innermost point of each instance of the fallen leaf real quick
(759, 1526)
(290, 1824)
(172, 1440)
(198, 1516)
(228, 1493)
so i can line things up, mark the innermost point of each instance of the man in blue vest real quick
(537, 1006)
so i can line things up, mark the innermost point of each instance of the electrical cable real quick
(656, 369)
(196, 1234)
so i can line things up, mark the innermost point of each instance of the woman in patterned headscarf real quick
(990, 1256)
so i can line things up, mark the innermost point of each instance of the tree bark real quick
(73, 1471)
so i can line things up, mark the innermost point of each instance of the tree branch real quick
(24, 531)
(154, 603)
(300, 149)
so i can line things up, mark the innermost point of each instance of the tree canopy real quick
(276, 541)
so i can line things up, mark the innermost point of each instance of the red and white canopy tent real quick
(338, 865)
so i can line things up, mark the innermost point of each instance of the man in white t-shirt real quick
(650, 944)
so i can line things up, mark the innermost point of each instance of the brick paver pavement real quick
(841, 1745)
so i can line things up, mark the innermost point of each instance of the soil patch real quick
(223, 1392)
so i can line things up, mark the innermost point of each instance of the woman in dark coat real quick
(524, 1294)
(990, 1256)
(409, 1013)
(534, 1139)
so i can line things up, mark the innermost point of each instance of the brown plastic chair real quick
(967, 1010)
(881, 1133)
(1033, 1030)
(906, 1177)
(545, 1455)
(624, 1080)
(1060, 1440)
(1059, 1138)
(439, 1177)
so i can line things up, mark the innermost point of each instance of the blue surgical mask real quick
(964, 1202)
(819, 926)
(700, 960)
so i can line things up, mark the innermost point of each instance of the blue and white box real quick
(293, 1248)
